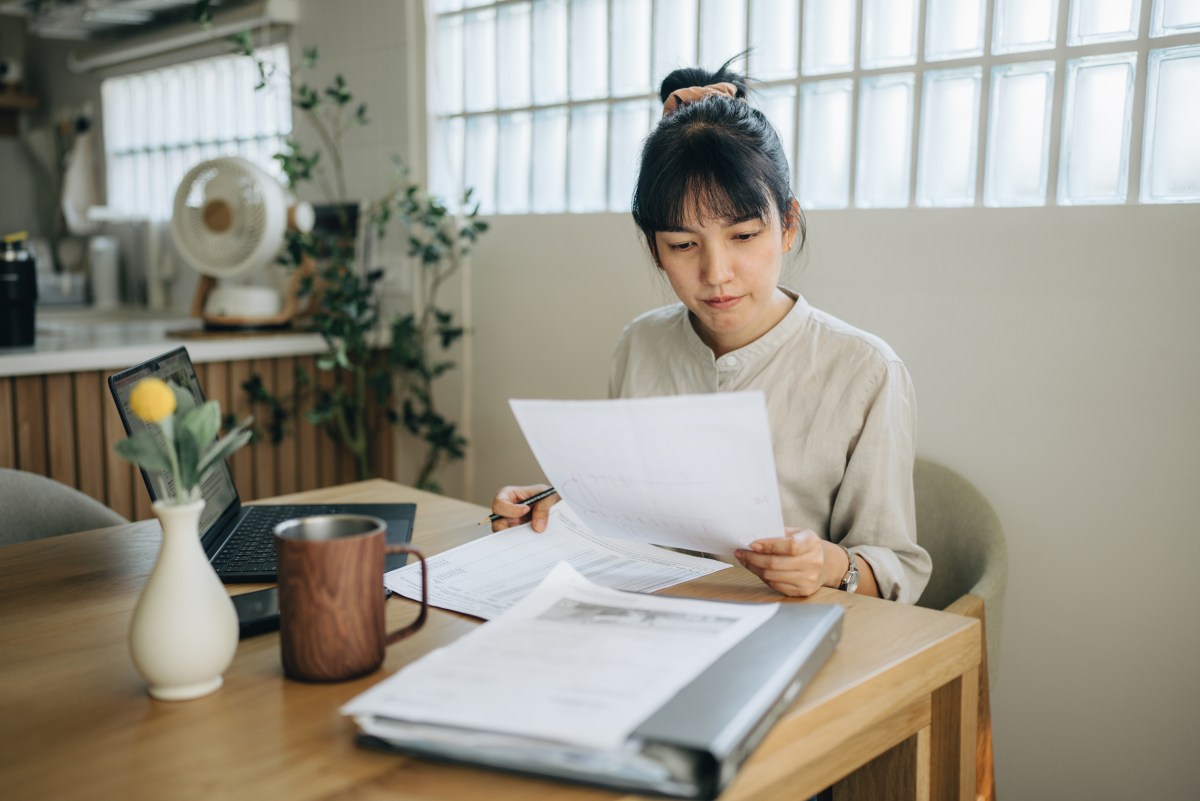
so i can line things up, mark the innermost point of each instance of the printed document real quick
(488, 575)
(570, 663)
(686, 471)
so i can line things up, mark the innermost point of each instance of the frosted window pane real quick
(1174, 16)
(674, 37)
(1094, 162)
(550, 166)
(630, 124)
(884, 147)
(828, 37)
(516, 141)
(512, 47)
(446, 178)
(824, 164)
(1018, 134)
(550, 51)
(1025, 25)
(447, 83)
(446, 5)
(779, 104)
(630, 47)
(949, 137)
(589, 135)
(773, 32)
(480, 170)
(889, 33)
(953, 29)
(1171, 156)
(1102, 21)
(722, 30)
(589, 49)
(153, 119)
(479, 43)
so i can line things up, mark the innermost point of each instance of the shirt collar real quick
(760, 348)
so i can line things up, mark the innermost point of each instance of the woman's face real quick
(727, 274)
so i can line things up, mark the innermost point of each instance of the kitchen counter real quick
(70, 340)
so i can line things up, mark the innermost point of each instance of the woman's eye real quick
(745, 236)
(680, 247)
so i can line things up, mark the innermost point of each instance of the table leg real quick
(953, 726)
(899, 774)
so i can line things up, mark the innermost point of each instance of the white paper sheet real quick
(571, 662)
(687, 471)
(488, 575)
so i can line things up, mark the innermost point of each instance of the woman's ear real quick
(791, 224)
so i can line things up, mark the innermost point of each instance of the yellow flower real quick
(152, 400)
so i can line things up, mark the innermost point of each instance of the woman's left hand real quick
(793, 564)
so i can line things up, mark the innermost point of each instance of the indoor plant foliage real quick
(184, 632)
(390, 363)
(187, 448)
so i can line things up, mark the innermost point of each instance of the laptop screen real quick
(174, 367)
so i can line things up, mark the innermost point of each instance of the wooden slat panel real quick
(242, 461)
(307, 435)
(30, 411)
(347, 466)
(286, 467)
(327, 448)
(60, 429)
(120, 476)
(8, 425)
(91, 398)
(266, 482)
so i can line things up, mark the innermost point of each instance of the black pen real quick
(532, 499)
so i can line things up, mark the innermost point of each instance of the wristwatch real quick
(850, 580)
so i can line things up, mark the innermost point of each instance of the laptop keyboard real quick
(251, 549)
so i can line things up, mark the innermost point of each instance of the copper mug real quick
(331, 596)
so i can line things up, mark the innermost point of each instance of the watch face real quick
(852, 581)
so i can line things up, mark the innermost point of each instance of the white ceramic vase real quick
(185, 628)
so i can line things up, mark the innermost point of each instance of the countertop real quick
(71, 340)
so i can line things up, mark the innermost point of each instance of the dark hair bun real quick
(696, 76)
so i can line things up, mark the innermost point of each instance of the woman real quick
(714, 201)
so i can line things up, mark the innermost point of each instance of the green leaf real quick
(224, 447)
(143, 450)
(201, 425)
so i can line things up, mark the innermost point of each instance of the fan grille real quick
(223, 219)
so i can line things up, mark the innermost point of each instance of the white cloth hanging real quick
(79, 191)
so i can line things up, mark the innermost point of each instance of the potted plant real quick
(185, 630)
(391, 363)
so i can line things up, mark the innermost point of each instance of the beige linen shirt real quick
(843, 423)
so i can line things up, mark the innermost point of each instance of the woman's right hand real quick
(508, 504)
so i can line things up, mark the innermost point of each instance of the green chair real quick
(34, 506)
(962, 533)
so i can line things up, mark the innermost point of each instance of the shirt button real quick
(729, 361)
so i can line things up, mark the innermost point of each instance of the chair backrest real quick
(962, 533)
(34, 506)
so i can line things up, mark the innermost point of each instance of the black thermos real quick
(18, 294)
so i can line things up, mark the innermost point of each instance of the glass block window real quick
(542, 105)
(160, 123)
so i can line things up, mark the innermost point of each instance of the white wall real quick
(1056, 356)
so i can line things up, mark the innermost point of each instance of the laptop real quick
(239, 540)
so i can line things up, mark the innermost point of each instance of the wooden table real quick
(891, 715)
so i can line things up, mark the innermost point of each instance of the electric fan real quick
(229, 220)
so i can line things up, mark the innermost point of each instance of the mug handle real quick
(411, 628)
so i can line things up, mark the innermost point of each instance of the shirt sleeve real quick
(874, 512)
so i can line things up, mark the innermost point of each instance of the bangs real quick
(701, 177)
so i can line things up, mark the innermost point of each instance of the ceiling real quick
(100, 19)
